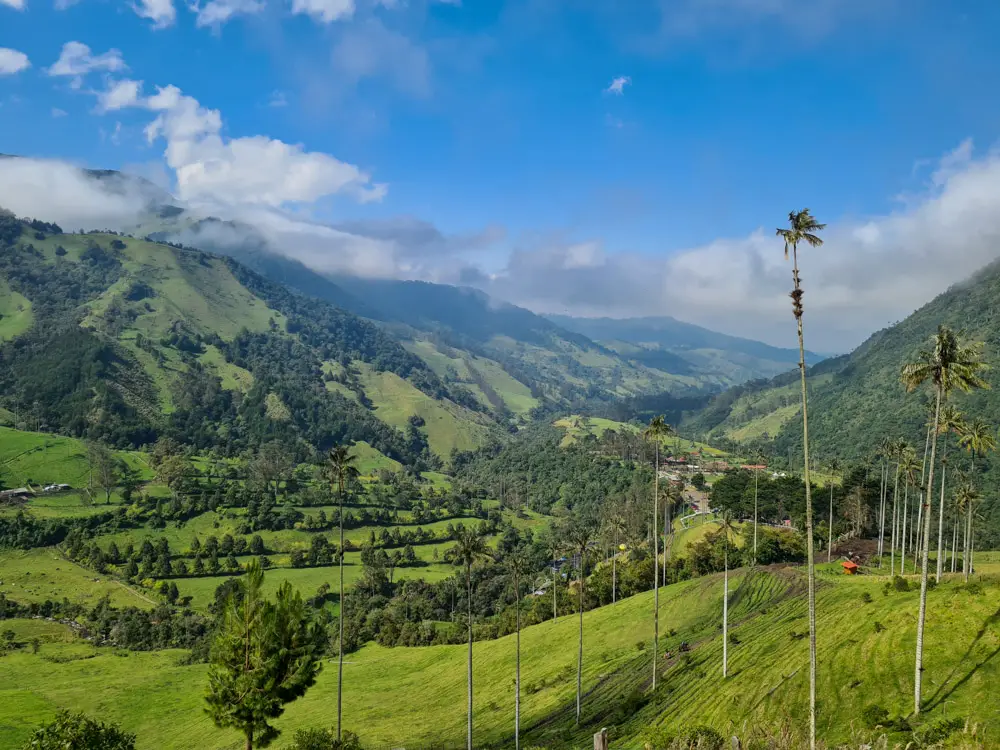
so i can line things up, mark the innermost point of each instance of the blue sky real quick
(493, 123)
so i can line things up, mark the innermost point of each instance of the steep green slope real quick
(128, 340)
(674, 346)
(415, 696)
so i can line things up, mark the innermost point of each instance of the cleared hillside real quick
(865, 649)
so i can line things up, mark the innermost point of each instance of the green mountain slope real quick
(866, 657)
(856, 399)
(128, 340)
(674, 346)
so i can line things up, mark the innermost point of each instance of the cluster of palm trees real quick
(898, 525)
(950, 365)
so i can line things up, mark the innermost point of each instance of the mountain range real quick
(205, 316)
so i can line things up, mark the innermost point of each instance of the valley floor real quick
(415, 697)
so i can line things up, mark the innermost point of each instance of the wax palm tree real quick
(470, 546)
(802, 227)
(978, 440)
(909, 468)
(728, 528)
(616, 526)
(884, 453)
(340, 464)
(518, 568)
(951, 363)
(657, 430)
(965, 500)
(899, 450)
(950, 422)
(834, 469)
(757, 457)
(672, 499)
(578, 536)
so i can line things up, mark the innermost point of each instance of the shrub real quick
(323, 739)
(640, 645)
(866, 597)
(900, 584)
(702, 738)
(937, 731)
(874, 715)
(879, 627)
(78, 731)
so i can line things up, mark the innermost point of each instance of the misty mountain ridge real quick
(562, 360)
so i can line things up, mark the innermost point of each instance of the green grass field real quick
(577, 426)
(40, 458)
(15, 313)
(446, 425)
(43, 573)
(387, 699)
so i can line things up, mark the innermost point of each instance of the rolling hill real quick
(675, 346)
(857, 398)
(866, 634)
(129, 340)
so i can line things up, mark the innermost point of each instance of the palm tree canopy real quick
(909, 466)
(802, 227)
(470, 546)
(950, 363)
(951, 421)
(341, 464)
(977, 438)
(657, 429)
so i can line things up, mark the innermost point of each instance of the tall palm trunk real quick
(797, 302)
(883, 489)
(340, 644)
(940, 551)
(966, 552)
(895, 524)
(829, 543)
(905, 530)
(725, 616)
(954, 542)
(656, 563)
(579, 655)
(666, 536)
(468, 581)
(918, 670)
(614, 571)
(756, 474)
(517, 667)
(917, 535)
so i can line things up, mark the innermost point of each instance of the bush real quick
(78, 731)
(640, 645)
(866, 597)
(938, 731)
(879, 627)
(702, 738)
(875, 715)
(900, 584)
(323, 739)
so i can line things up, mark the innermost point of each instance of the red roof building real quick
(850, 568)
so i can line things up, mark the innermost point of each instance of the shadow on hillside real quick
(947, 688)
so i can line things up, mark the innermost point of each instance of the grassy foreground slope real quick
(388, 700)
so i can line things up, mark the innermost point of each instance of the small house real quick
(850, 567)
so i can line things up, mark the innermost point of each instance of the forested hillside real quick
(126, 341)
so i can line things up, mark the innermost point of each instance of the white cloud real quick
(161, 12)
(15, 4)
(76, 61)
(62, 193)
(119, 94)
(278, 99)
(867, 275)
(56, 112)
(370, 49)
(218, 12)
(249, 170)
(326, 11)
(617, 85)
(64, 4)
(12, 61)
